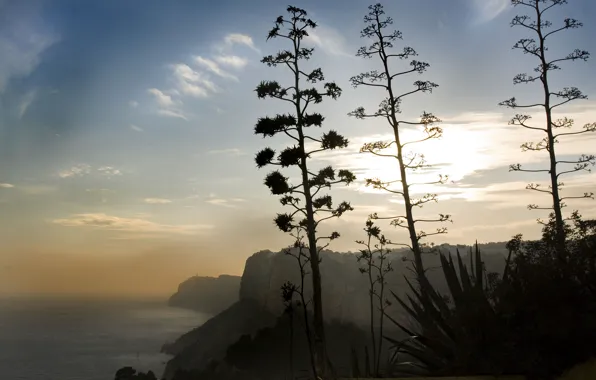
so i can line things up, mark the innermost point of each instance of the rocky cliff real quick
(209, 295)
(345, 298)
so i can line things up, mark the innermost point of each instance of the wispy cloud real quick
(80, 170)
(471, 143)
(232, 61)
(133, 225)
(162, 99)
(196, 81)
(330, 41)
(213, 67)
(171, 113)
(6, 186)
(27, 100)
(229, 151)
(157, 201)
(133, 104)
(166, 104)
(240, 39)
(191, 82)
(136, 128)
(230, 202)
(109, 171)
(487, 10)
(21, 49)
(75, 171)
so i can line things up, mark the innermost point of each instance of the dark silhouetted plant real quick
(456, 335)
(376, 265)
(316, 207)
(129, 373)
(389, 108)
(299, 252)
(536, 46)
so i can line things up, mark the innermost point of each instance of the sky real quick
(127, 144)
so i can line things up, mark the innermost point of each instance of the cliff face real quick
(345, 299)
(209, 295)
(345, 289)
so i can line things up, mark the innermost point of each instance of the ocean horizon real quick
(87, 338)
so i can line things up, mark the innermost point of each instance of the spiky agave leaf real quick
(447, 337)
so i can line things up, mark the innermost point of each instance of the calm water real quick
(70, 339)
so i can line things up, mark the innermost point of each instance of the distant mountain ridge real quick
(345, 291)
(210, 295)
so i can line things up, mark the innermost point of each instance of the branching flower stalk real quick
(315, 207)
(299, 252)
(376, 265)
(536, 47)
(389, 109)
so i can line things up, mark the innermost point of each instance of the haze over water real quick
(74, 338)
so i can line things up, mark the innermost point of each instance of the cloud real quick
(230, 151)
(213, 67)
(85, 169)
(109, 171)
(240, 39)
(231, 203)
(75, 171)
(162, 99)
(6, 186)
(167, 105)
(27, 100)
(232, 61)
(471, 143)
(191, 82)
(136, 128)
(171, 113)
(487, 10)
(156, 201)
(102, 221)
(22, 43)
(329, 40)
(133, 104)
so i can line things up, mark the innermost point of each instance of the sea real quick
(67, 338)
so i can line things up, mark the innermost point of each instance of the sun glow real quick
(461, 151)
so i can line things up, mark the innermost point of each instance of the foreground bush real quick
(538, 319)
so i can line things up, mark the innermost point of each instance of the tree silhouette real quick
(317, 207)
(388, 109)
(376, 266)
(536, 47)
